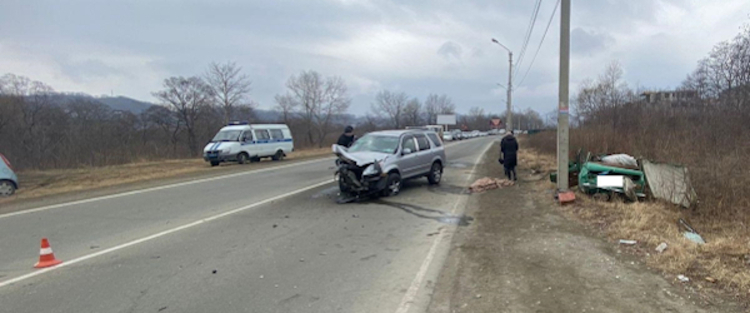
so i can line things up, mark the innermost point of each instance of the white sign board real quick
(446, 119)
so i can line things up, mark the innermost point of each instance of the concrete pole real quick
(563, 134)
(509, 118)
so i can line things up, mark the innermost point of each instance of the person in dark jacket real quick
(509, 151)
(347, 138)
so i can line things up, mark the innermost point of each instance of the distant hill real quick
(118, 103)
(125, 104)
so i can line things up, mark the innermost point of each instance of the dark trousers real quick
(510, 172)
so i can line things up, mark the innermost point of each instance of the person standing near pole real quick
(509, 155)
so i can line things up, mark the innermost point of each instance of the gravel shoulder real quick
(522, 255)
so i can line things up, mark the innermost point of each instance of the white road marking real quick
(139, 191)
(413, 291)
(160, 234)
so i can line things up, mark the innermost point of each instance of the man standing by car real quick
(509, 152)
(347, 138)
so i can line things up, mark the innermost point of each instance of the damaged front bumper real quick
(354, 179)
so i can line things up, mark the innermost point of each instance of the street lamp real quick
(509, 116)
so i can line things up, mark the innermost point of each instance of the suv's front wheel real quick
(436, 173)
(392, 185)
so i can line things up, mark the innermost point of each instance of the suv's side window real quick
(262, 134)
(435, 139)
(422, 142)
(276, 134)
(408, 143)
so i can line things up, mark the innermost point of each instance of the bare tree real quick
(392, 105)
(413, 113)
(287, 105)
(435, 105)
(229, 86)
(188, 97)
(319, 100)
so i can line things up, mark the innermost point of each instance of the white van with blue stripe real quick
(242, 143)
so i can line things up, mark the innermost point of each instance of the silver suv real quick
(378, 162)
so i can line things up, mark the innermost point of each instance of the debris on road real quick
(162, 309)
(628, 242)
(479, 296)
(213, 272)
(683, 278)
(488, 183)
(274, 225)
(302, 260)
(661, 247)
(94, 247)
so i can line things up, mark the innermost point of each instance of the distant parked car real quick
(8, 179)
(448, 136)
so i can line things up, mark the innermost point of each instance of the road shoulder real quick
(522, 255)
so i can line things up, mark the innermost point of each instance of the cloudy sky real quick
(418, 46)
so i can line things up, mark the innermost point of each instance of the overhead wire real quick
(529, 32)
(552, 16)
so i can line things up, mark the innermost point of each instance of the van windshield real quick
(227, 135)
(375, 143)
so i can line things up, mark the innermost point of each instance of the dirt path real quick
(521, 255)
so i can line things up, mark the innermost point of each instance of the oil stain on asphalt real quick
(427, 213)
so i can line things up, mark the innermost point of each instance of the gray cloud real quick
(131, 46)
(588, 42)
(450, 50)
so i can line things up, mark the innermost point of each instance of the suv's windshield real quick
(375, 143)
(227, 135)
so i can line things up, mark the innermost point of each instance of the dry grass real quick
(651, 223)
(35, 184)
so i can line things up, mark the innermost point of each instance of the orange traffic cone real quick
(46, 257)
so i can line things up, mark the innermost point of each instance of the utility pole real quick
(509, 109)
(563, 134)
(510, 87)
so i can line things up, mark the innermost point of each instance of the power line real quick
(552, 16)
(529, 32)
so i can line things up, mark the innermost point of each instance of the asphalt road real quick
(263, 241)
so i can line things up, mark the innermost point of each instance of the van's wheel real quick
(392, 185)
(7, 188)
(436, 173)
(278, 156)
(214, 163)
(242, 158)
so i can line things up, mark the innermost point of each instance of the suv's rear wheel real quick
(7, 188)
(436, 173)
(392, 185)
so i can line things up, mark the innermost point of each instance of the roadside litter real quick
(661, 247)
(488, 183)
(628, 242)
(623, 174)
(690, 232)
(683, 278)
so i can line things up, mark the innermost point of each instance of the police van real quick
(243, 142)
